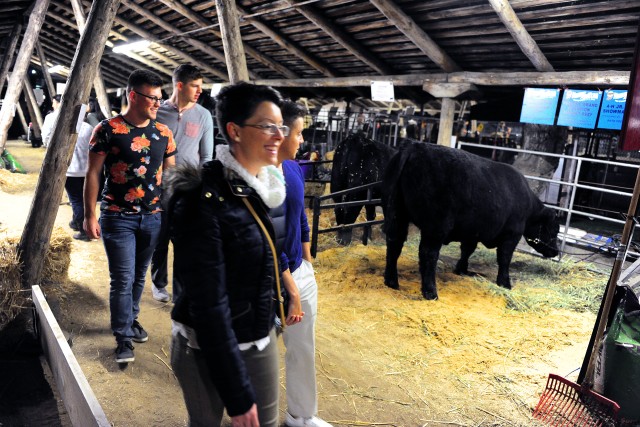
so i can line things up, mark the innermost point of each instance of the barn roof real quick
(292, 41)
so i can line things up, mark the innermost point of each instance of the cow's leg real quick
(371, 215)
(466, 249)
(396, 236)
(429, 253)
(504, 255)
(348, 216)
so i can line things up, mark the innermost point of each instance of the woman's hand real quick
(294, 312)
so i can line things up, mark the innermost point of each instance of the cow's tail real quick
(392, 194)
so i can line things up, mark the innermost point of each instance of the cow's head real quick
(542, 233)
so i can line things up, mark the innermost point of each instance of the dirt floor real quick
(479, 356)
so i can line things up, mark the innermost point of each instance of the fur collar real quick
(269, 184)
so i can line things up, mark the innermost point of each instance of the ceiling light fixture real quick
(128, 47)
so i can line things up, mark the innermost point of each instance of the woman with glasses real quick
(224, 351)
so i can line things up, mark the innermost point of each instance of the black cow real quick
(357, 161)
(452, 195)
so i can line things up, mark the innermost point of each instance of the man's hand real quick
(248, 419)
(91, 227)
(294, 312)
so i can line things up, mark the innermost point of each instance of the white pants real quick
(300, 342)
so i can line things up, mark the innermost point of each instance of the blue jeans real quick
(129, 240)
(74, 186)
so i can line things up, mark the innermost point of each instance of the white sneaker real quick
(292, 421)
(160, 294)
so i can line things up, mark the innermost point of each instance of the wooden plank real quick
(82, 405)
(232, 41)
(409, 28)
(39, 225)
(609, 78)
(521, 35)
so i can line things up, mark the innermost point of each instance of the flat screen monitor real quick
(612, 109)
(579, 108)
(539, 105)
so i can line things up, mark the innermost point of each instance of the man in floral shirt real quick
(133, 149)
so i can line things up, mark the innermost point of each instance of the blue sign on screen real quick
(579, 108)
(612, 110)
(539, 105)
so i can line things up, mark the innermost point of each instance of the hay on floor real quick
(13, 298)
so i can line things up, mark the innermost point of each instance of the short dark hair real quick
(143, 77)
(236, 103)
(186, 73)
(57, 97)
(292, 111)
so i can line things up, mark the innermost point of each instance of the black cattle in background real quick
(357, 161)
(452, 195)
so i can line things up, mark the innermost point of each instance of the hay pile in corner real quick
(56, 267)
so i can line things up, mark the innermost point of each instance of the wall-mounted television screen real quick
(579, 108)
(539, 105)
(612, 109)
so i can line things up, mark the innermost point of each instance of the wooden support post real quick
(20, 68)
(98, 83)
(23, 120)
(45, 70)
(37, 232)
(445, 129)
(8, 54)
(36, 114)
(232, 41)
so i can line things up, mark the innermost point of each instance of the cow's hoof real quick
(504, 284)
(461, 271)
(393, 284)
(432, 296)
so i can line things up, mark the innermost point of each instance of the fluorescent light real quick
(127, 47)
(57, 69)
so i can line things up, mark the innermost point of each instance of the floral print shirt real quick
(133, 167)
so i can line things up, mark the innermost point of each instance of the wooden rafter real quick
(341, 36)
(528, 46)
(288, 45)
(409, 28)
(204, 23)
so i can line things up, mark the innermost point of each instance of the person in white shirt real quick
(50, 121)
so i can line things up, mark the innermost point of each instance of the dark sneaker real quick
(124, 352)
(81, 235)
(139, 334)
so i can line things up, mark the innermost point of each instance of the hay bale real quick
(55, 270)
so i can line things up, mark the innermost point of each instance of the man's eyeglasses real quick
(270, 129)
(153, 98)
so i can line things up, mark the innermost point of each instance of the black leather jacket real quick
(225, 267)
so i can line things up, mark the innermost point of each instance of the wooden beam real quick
(35, 125)
(556, 78)
(78, 398)
(45, 70)
(98, 83)
(36, 18)
(288, 45)
(528, 46)
(173, 50)
(204, 23)
(172, 29)
(8, 54)
(447, 90)
(37, 232)
(28, 89)
(445, 127)
(23, 119)
(409, 28)
(341, 36)
(232, 41)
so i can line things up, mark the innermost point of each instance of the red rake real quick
(565, 403)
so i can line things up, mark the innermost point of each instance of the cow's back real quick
(452, 195)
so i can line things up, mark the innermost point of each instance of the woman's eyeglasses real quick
(153, 98)
(270, 129)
